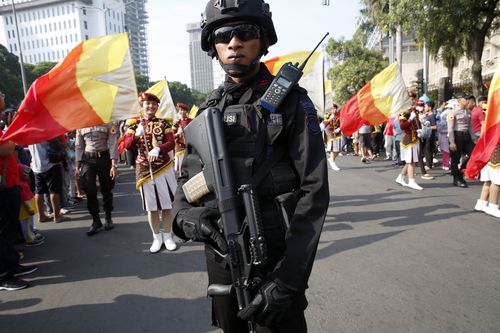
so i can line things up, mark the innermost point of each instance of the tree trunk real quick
(477, 45)
(450, 75)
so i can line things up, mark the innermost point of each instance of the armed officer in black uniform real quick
(238, 34)
(96, 150)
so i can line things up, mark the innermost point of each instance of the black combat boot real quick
(96, 225)
(108, 225)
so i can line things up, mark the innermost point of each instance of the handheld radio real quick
(288, 76)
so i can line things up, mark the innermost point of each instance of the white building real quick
(462, 73)
(49, 29)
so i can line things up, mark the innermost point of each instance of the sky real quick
(299, 24)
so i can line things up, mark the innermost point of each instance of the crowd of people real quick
(43, 182)
(414, 138)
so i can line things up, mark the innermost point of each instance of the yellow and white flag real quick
(312, 79)
(166, 109)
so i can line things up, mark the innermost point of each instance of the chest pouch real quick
(246, 139)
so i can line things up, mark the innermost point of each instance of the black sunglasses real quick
(244, 32)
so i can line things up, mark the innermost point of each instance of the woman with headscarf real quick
(155, 176)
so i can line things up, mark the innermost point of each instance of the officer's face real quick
(462, 102)
(241, 45)
(149, 108)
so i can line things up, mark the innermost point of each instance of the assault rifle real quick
(246, 246)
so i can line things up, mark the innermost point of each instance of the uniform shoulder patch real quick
(451, 116)
(311, 114)
(112, 129)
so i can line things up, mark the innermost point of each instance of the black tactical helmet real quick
(218, 12)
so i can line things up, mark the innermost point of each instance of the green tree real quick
(142, 82)
(449, 27)
(182, 93)
(353, 65)
(33, 72)
(10, 78)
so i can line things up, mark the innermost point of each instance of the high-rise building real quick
(49, 29)
(202, 77)
(136, 19)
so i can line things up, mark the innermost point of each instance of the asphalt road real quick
(390, 259)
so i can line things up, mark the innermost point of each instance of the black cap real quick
(464, 95)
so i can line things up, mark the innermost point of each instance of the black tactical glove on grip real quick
(269, 305)
(197, 225)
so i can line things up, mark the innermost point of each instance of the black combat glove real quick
(269, 306)
(196, 223)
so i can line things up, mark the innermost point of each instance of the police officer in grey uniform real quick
(238, 34)
(96, 155)
(461, 137)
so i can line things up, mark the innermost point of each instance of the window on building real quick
(10, 47)
(13, 34)
(60, 26)
(6, 20)
(84, 11)
(8, 33)
(71, 38)
(66, 39)
(53, 12)
(63, 9)
(86, 37)
(45, 27)
(58, 13)
(15, 47)
(74, 23)
(64, 24)
(85, 24)
(36, 29)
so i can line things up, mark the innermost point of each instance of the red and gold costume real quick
(333, 133)
(178, 129)
(158, 133)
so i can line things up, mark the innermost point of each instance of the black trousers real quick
(10, 202)
(429, 145)
(225, 308)
(91, 169)
(465, 145)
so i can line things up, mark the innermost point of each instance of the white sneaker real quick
(481, 205)
(492, 210)
(413, 184)
(157, 242)
(334, 166)
(169, 241)
(401, 180)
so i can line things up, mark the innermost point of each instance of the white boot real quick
(413, 184)
(401, 180)
(169, 241)
(481, 205)
(157, 241)
(492, 210)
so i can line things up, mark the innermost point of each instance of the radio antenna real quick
(301, 67)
